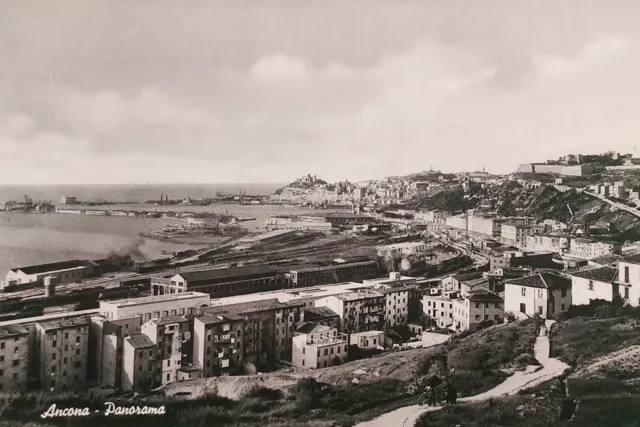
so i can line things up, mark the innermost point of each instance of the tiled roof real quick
(543, 280)
(602, 274)
(139, 340)
(467, 276)
(606, 259)
(633, 259)
(483, 295)
(227, 273)
(319, 312)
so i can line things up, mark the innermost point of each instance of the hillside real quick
(510, 198)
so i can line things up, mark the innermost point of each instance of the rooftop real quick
(601, 274)
(319, 312)
(12, 331)
(51, 267)
(367, 334)
(357, 295)
(227, 273)
(462, 277)
(47, 317)
(606, 259)
(483, 295)
(543, 280)
(335, 266)
(214, 319)
(72, 322)
(139, 340)
(632, 259)
(311, 328)
(166, 320)
(154, 299)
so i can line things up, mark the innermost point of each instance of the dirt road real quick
(551, 368)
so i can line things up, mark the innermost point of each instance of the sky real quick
(208, 91)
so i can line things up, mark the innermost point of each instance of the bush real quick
(603, 312)
(263, 393)
(525, 359)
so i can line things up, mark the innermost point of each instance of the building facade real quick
(14, 358)
(217, 344)
(319, 348)
(545, 294)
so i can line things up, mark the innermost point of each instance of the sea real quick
(34, 238)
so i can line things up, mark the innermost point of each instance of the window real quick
(168, 363)
(590, 285)
(208, 337)
(564, 292)
(626, 293)
(140, 368)
(477, 305)
(626, 274)
(77, 351)
(523, 307)
(303, 350)
(65, 360)
(562, 307)
(326, 351)
(66, 335)
(168, 377)
(2, 358)
(539, 309)
(524, 291)
(53, 356)
(539, 293)
(1, 372)
(77, 340)
(302, 362)
(54, 344)
(66, 347)
(1, 345)
(477, 317)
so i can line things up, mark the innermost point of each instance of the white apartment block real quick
(475, 307)
(370, 340)
(548, 243)
(439, 308)
(589, 248)
(361, 310)
(515, 234)
(543, 293)
(169, 333)
(154, 307)
(319, 348)
(597, 283)
(458, 222)
(629, 279)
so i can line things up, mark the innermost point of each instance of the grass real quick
(578, 341)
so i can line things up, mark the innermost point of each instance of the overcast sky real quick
(115, 91)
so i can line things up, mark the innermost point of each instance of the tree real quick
(603, 312)
(405, 265)
(510, 317)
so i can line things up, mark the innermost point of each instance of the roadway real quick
(620, 206)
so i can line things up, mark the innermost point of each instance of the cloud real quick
(280, 67)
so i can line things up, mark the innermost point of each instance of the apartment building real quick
(346, 272)
(486, 227)
(142, 363)
(156, 306)
(629, 279)
(475, 307)
(549, 243)
(361, 310)
(596, 283)
(172, 336)
(589, 248)
(438, 308)
(544, 293)
(398, 292)
(217, 343)
(318, 347)
(457, 222)
(14, 358)
(106, 347)
(269, 328)
(513, 259)
(513, 234)
(369, 340)
(62, 352)
(454, 282)
(322, 316)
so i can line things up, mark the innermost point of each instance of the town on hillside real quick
(418, 269)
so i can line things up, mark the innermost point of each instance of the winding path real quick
(551, 368)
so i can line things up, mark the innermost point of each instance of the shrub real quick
(510, 317)
(263, 393)
(336, 361)
(525, 359)
(603, 312)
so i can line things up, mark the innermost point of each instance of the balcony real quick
(340, 338)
